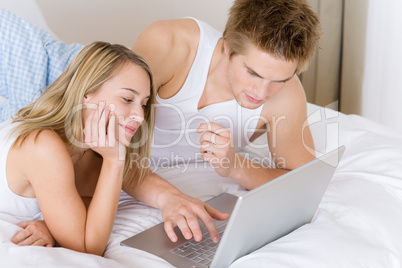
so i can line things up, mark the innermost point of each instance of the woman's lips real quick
(129, 129)
(253, 100)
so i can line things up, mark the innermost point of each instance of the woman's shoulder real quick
(42, 144)
(41, 155)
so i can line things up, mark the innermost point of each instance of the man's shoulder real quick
(174, 33)
(289, 100)
(169, 46)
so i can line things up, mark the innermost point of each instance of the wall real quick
(322, 80)
(354, 48)
(120, 21)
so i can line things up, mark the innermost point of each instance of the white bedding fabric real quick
(358, 223)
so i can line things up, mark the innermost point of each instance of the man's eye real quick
(251, 73)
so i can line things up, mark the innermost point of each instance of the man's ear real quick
(225, 48)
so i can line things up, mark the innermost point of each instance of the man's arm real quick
(289, 135)
(177, 208)
(289, 139)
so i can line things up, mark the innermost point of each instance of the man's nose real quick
(261, 89)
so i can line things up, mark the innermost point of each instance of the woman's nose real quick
(137, 118)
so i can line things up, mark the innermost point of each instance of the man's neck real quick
(217, 88)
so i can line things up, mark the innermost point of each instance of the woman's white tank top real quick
(11, 203)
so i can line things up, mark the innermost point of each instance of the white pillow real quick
(29, 10)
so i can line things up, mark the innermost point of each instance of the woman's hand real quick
(100, 130)
(35, 233)
(178, 209)
(184, 211)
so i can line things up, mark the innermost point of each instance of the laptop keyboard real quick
(200, 252)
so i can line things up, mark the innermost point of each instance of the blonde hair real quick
(56, 109)
(287, 29)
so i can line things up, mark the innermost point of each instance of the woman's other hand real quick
(100, 133)
(34, 233)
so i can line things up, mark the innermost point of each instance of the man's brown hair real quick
(287, 29)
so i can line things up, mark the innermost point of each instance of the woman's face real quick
(126, 95)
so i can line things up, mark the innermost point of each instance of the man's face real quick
(255, 76)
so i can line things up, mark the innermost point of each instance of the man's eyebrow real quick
(135, 92)
(253, 72)
(260, 76)
(287, 79)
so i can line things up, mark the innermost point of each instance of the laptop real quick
(258, 217)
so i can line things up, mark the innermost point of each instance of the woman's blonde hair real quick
(59, 107)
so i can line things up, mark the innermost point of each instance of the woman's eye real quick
(127, 100)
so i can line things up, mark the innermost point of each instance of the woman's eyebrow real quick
(135, 92)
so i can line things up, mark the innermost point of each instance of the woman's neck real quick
(76, 153)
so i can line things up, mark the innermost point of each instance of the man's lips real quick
(253, 100)
(130, 129)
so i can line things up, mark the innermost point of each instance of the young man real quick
(220, 85)
(216, 86)
(252, 67)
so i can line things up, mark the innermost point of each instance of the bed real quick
(358, 222)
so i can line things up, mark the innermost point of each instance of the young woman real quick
(66, 154)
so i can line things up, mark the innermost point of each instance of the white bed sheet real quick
(358, 223)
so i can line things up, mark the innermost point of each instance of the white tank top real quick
(11, 203)
(177, 118)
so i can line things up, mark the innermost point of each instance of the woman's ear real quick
(84, 99)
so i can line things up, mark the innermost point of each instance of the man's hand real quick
(35, 233)
(184, 211)
(217, 147)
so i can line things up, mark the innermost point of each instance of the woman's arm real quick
(51, 174)
(178, 209)
(50, 171)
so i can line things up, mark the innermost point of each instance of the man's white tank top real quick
(11, 203)
(177, 118)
